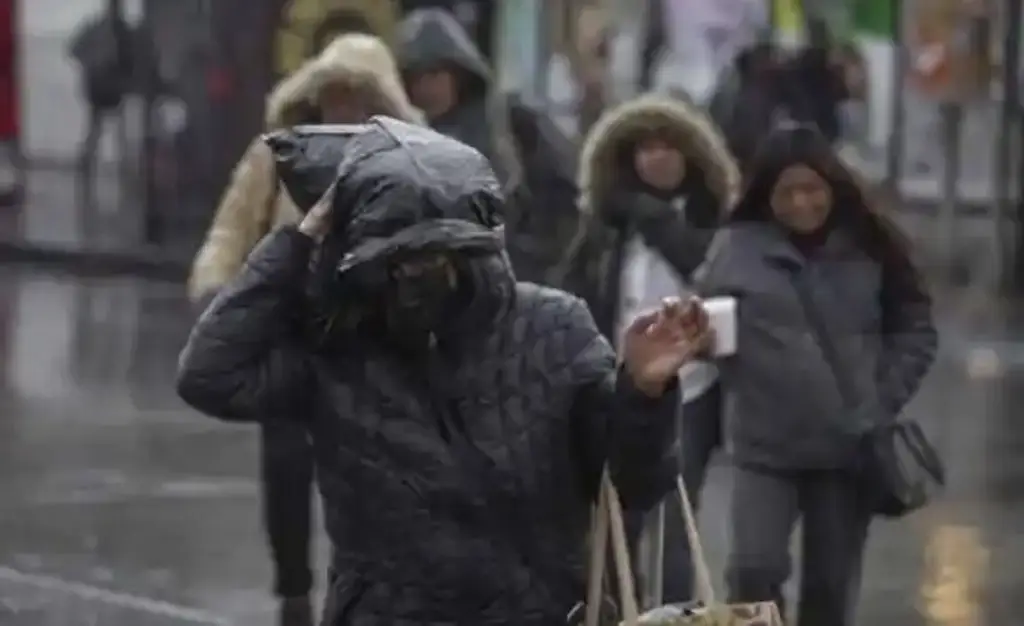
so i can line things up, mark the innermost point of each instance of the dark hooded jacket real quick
(783, 406)
(458, 484)
(766, 85)
(747, 99)
(615, 206)
(534, 160)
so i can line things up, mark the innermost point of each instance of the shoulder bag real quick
(899, 466)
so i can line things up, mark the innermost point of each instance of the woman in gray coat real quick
(803, 217)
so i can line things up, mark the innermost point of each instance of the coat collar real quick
(776, 247)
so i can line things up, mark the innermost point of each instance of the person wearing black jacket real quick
(450, 80)
(461, 421)
(655, 179)
(766, 85)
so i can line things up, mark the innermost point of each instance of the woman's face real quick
(801, 199)
(435, 92)
(659, 164)
(340, 104)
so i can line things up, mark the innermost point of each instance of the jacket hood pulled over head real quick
(681, 124)
(357, 60)
(404, 189)
(430, 39)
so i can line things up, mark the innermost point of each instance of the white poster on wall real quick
(703, 38)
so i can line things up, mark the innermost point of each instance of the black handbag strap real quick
(910, 433)
(816, 320)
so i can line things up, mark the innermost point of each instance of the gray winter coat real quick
(783, 408)
(458, 481)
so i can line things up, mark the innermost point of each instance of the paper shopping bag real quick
(706, 611)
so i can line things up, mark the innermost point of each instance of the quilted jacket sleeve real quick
(242, 218)
(617, 425)
(244, 360)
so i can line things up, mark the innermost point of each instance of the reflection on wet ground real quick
(122, 507)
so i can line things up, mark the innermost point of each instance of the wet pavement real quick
(123, 508)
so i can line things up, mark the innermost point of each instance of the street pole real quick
(1007, 136)
(895, 145)
(542, 55)
(152, 231)
(952, 114)
(125, 61)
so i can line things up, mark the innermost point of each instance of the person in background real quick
(747, 98)
(767, 84)
(113, 59)
(816, 83)
(354, 78)
(475, 16)
(804, 225)
(655, 180)
(462, 421)
(688, 44)
(373, 17)
(448, 77)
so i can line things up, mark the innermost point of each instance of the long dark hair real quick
(854, 208)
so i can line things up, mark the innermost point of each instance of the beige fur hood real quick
(683, 124)
(360, 61)
(253, 203)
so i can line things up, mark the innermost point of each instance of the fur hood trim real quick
(683, 124)
(360, 61)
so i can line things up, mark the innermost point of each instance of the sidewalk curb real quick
(95, 262)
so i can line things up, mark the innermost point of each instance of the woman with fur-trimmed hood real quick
(354, 78)
(655, 179)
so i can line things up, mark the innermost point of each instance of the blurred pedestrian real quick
(462, 421)
(817, 83)
(805, 232)
(451, 81)
(655, 179)
(747, 99)
(373, 17)
(475, 16)
(112, 56)
(354, 78)
(767, 84)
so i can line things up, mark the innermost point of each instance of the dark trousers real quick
(286, 468)
(88, 149)
(701, 434)
(765, 509)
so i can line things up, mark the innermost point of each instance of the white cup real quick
(722, 319)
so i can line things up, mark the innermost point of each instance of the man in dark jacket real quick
(766, 84)
(460, 420)
(448, 77)
(108, 61)
(655, 180)
(747, 98)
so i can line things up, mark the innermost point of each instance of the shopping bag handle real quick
(703, 587)
(608, 520)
